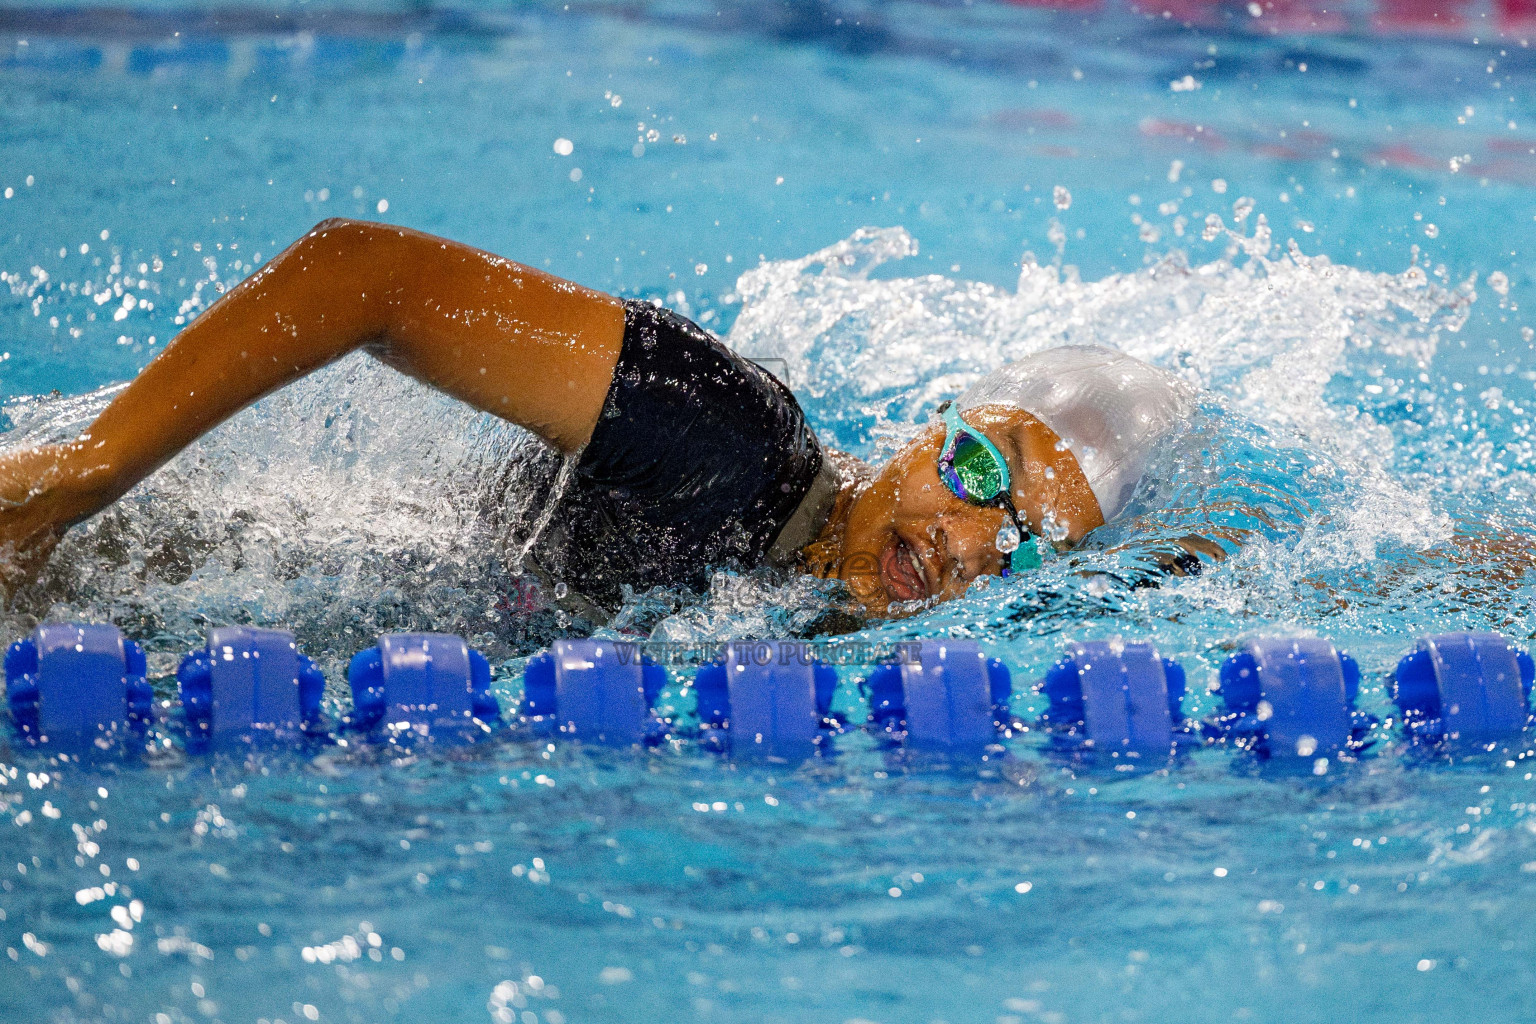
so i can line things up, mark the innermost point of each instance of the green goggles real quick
(976, 472)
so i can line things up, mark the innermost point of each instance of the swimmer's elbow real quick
(350, 260)
(332, 225)
(363, 246)
(352, 253)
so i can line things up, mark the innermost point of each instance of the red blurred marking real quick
(1421, 15)
(1515, 14)
(1324, 16)
(1275, 151)
(1310, 138)
(1514, 172)
(1186, 12)
(1018, 117)
(1399, 155)
(1055, 151)
(1159, 128)
(1290, 16)
(1514, 147)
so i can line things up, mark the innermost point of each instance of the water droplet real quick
(564, 147)
(1061, 197)
(1054, 529)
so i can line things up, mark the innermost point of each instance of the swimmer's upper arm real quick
(506, 338)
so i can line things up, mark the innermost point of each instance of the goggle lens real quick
(972, 471)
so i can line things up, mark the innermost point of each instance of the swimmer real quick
(687, 456)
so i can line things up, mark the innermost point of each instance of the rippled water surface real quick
(1328, 234)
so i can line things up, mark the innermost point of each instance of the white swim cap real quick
(1109, 408)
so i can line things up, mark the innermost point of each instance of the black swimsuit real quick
(700, 460)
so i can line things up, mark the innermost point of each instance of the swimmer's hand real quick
(34, 512)
(1182, 555)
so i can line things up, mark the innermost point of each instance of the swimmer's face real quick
(910, 539)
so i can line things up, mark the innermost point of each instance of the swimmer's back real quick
(700, 459)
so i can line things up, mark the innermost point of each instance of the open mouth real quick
(902, 573)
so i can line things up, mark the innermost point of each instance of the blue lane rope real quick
(1283, 698)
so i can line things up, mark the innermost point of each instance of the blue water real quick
(1364, 425)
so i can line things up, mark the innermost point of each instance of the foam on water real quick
(354, 502)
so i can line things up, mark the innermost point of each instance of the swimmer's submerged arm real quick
(504, 338)
(1186, 554)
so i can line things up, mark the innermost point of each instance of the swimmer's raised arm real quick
(505, 338)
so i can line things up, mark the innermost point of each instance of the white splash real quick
(353, 501)
(1264, 333)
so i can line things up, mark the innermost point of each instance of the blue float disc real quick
(947, 693)
(600, 691)
(1125, 697)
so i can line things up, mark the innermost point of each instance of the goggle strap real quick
(1025, 556)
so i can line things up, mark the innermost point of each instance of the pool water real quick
(1327, 232)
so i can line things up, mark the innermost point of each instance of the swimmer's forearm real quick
(502, 337)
